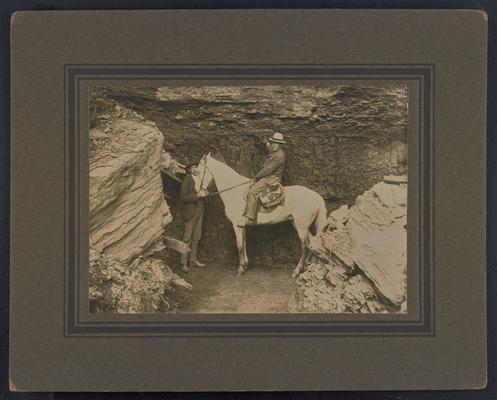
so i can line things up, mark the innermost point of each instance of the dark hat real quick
(189, 164)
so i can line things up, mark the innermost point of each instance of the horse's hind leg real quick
(304, 241)
(242, 249)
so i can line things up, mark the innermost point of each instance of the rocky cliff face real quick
(128, 212)
(359, 261)
(341, 141)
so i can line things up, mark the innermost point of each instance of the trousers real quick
(193, 233)
(253, 195)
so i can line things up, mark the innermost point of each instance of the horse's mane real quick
(223, 174)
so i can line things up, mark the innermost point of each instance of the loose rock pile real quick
(146, 285)
(359, 261)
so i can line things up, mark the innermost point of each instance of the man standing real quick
(193, 199)
(270, 174)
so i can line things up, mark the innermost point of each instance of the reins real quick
(229, 188)
(220, 191)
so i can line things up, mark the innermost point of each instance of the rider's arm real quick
(273, 162)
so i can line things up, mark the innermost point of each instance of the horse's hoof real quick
(241, 271)
(295, 274)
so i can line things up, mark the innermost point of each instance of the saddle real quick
(271, 197)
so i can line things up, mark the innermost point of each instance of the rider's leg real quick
(252, 197)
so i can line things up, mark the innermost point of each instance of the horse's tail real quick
(321, 218)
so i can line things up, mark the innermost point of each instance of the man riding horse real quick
(270, 174)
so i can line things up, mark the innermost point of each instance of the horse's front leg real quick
(242, 249)
(304, 241)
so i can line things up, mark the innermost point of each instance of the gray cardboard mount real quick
(56, 55)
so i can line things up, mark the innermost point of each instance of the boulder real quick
(359, 260)
(128, 211)
(377, 226)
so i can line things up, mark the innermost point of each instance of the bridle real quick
(203, 173)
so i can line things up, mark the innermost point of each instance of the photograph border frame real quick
(425, 326)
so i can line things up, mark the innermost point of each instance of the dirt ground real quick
(217, 289)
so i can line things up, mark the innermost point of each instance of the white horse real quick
(303, 207)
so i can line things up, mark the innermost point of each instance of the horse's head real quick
(204, 172)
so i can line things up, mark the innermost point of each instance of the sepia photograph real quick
(206, 200)
(248, 199)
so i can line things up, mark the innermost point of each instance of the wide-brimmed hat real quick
(190, 163)
(277, 138)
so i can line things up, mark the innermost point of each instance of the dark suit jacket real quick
(189, 197)
(274, 165)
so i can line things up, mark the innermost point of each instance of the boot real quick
(193, 256)
(184, 268)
